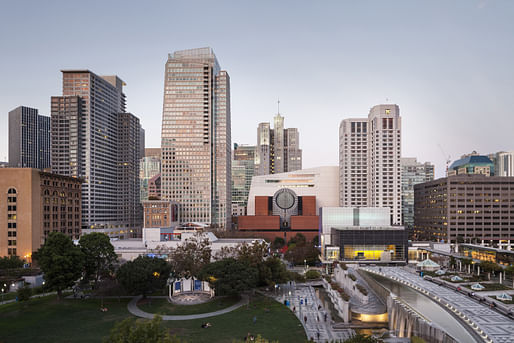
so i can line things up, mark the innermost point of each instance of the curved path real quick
(136, 311)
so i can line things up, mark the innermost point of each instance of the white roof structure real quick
(456, 278)
(504, 296)
(477, 287)
(321, 182)
(428, 263)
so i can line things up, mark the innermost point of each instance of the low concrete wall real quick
(342, 307)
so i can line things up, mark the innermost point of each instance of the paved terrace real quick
(315, 323)
(492, 326)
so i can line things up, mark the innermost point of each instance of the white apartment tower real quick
(196, 141)
(369, 161)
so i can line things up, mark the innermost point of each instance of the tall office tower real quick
(149, 166)
(142, 143)
(413, 173)
(504, 163)
(130, 210)
(278, 149)
(29, 138)
(369, 161)
(86, 143)
(243, 167)
(196, 137)
(263, 149)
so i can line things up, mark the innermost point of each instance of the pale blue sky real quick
(448, 64)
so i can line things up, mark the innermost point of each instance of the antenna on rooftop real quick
(278, 105)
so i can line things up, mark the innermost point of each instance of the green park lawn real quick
(48, 320)
(162, 306)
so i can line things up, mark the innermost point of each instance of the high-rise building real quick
(413, 173)
(278, 149)
(504, 163)
(369, 161)
(93, 138)
(34, 203)
(472, 208)
(149, 167)
(130, 210)
(243, 167)
(196, 138)
(29, 139)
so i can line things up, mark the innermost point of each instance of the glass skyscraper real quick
(29, 138)
(196, 140)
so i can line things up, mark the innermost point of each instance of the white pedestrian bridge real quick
(485, 322)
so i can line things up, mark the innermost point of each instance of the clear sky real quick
(448, 64)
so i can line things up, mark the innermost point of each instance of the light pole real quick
(305, 265)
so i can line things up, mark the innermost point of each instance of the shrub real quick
(312, 274)
(295, 276)
(343, 266)
(328, 278)
(351, 276)
(362, 289)
(24, 293)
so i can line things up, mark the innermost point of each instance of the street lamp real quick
(305, 264)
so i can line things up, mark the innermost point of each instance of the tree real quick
(278, 243)
(360, 338)
(10, 262)
(489, 267)
(251, 254)
(24, 293)
(190, 257)
(278, 270)
(61, 262)
(229, 276)
(298, 240)
(99, 255)
(510, 272)
(143, 275)
(452, 262)
(315, 241)
(299, 254)
(131, 330)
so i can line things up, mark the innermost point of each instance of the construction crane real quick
(448, 158)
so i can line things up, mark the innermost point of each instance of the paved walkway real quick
(315, 324)
(374, 305)
(136, 311)
(480, 318)
(32, 297)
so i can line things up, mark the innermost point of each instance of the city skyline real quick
(445, 71)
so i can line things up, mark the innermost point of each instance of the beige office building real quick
(369, 161)
(33, 204)
(278, 149)
(196, 141)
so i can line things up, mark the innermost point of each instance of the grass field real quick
(48, 320)
(162, 306)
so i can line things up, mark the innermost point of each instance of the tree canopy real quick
(99, 255)
(61, 262)
(143, 275)
(189, 258)
(10, 262)
(230, 276)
